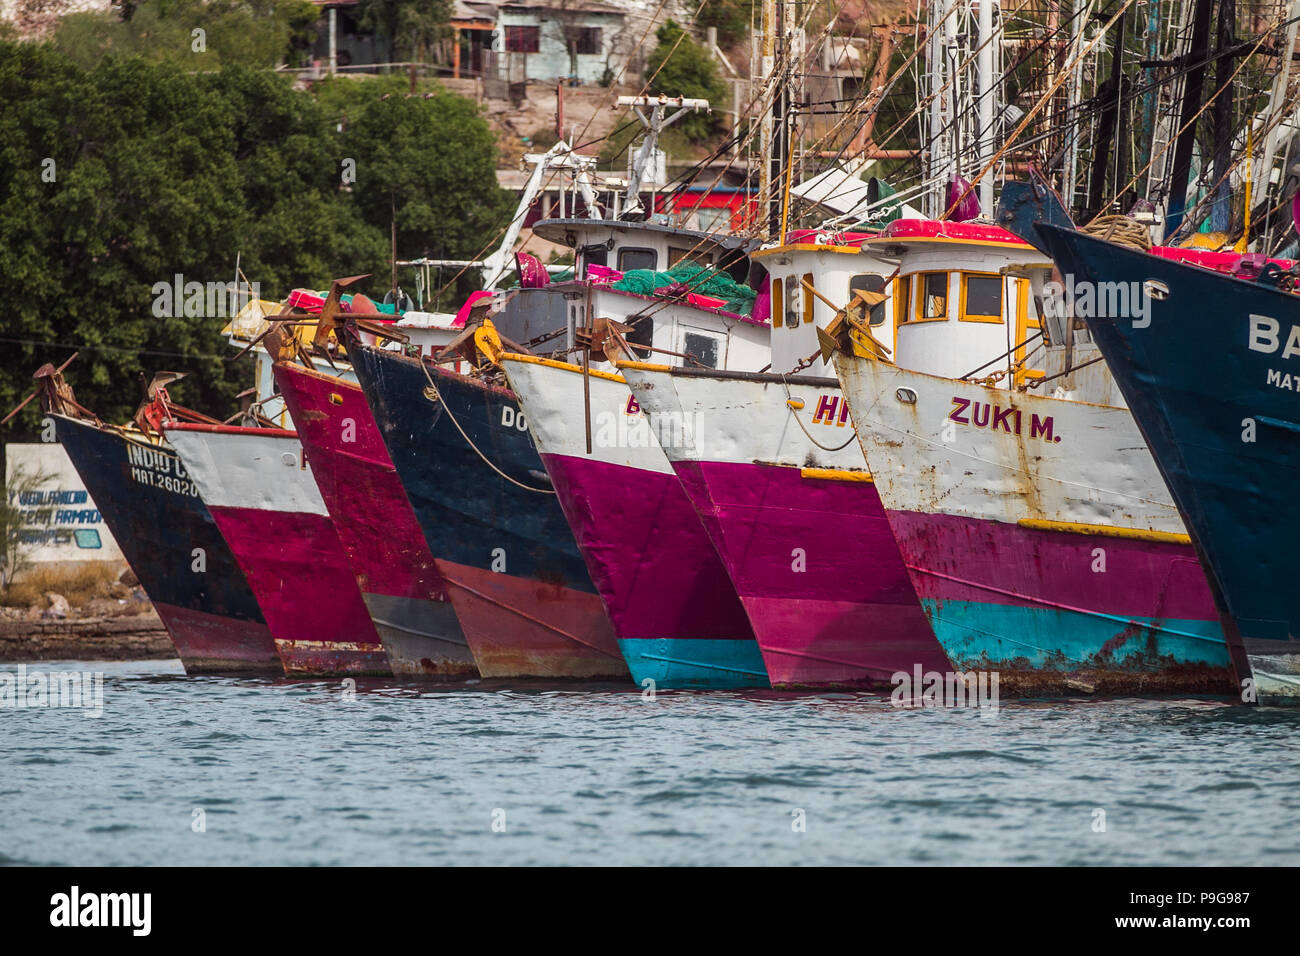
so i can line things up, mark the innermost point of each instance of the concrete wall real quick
(60, 520)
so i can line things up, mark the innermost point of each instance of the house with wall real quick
(581, 41)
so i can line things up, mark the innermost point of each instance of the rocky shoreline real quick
(136, 637)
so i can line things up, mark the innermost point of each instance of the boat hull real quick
(1040, 539)
(797, 522)
(1210, 373)
(500, 519)
(260, 491)
(154, 513)
(678, 620)
(402, 589)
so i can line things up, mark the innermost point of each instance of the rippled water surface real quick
(293, 773)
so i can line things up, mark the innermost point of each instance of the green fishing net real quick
(737, 297)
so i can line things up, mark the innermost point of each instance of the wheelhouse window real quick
(702, 348)
(981, 298)
(870, 283)
(903, 299)
(778, 300)
(678, 254)
(629, 259)
(932, 303)
(596, 255)
(791, 301)
(642, 334)
(523, 39)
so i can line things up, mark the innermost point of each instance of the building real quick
(581, 41)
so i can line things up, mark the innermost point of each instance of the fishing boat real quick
(152, 507)
(499, 540)
(677, 618)
(1038, 534)
(774, 469)
(376, 527)
(258, 486)
(1207, 372)
(405, 595)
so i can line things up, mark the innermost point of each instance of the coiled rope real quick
(1120, 229)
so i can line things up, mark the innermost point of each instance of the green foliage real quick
(235, 32)
(435, 159)
(732, 18)
(411, 26)
(120, 176)
(679, 66)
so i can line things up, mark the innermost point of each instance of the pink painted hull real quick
(850, 617)
(519, 627)
(648, 553)
(306, 589)
(376, 526)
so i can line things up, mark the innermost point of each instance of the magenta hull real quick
(218, 642)
(305, 587)
(818, 571)
(648, 554)
(521, 627)
(1121, 615)
(376, 526)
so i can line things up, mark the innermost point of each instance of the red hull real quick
(376, 526)
(215, 643)
(518, 627)
(306, 590)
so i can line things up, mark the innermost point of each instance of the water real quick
(291, 773)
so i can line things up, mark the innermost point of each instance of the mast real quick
(986, 102)
(1197, 54)
(767, 60)
(1221, 205)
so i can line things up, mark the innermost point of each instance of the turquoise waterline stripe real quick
(683, 663)
(971, 631)
(1115, 618)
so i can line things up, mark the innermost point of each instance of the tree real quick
(411, 26)
(123, 175)
(732, 18)
(679, 66)
(194, 34)
(435, 160)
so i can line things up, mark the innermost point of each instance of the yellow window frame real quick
(963, 316)
(919, 287)
(1024, 327)
(808, 298)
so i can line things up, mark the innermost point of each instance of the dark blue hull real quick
(1215, 394)
(171, 543)
(516, 578)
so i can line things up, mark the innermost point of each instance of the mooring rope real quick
(438, 396)
(795, 412)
